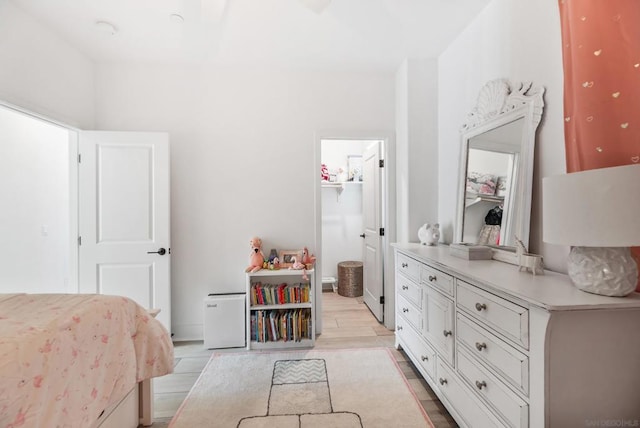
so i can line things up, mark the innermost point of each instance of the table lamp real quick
(597, 213)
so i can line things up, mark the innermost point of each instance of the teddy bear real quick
(256, 257)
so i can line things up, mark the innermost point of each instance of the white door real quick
(124, 217)
(373, 223)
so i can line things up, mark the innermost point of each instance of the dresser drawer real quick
(408, 267)
(437, 279)
(422, 354)
(439, 323)
(468, 407)
(507, 318)
(498, 354)
(410, 290)
(512, 408)
(409, 312)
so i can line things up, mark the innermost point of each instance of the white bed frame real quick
(133, 410)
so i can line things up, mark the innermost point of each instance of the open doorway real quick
(342, 223)
(351, 222)
(38, 176)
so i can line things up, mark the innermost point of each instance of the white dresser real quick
(506, 348)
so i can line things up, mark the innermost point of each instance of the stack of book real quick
(281, 325)
(279, 294)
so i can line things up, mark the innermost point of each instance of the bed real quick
(78, 360)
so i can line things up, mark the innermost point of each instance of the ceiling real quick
(347, 34)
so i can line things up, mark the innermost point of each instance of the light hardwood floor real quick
(347, 323)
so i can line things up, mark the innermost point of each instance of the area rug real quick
(360, 388)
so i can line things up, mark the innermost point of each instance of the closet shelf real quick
(338, 185)
(484, 198)
(333, 185)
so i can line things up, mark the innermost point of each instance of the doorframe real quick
(74, 273)
(388, 208)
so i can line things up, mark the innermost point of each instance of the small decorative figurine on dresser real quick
(528, 262)
(256, 257)
(429, 234)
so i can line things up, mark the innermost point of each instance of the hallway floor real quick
(347, 323)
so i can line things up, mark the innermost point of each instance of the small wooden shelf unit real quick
(280, 309)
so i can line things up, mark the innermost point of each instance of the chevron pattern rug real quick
(360, 388)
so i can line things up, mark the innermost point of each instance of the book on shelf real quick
(281, 325)
(279, 294)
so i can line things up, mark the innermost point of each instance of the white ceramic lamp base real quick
(608, 271)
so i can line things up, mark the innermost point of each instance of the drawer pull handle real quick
(405, 310)
(481, 385)
(404, 287)
(432, 278)
(424, 358)
(480, 307)
(399, 327)
(481, 346)
(447, 333)
(442, 381)
(404, 265)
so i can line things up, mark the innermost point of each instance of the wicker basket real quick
(350, 279)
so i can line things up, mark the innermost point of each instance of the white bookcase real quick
(284, 317)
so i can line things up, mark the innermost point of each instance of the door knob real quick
(161, 251)
(362, 235)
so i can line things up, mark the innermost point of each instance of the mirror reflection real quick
(491, 177)
(496, 167)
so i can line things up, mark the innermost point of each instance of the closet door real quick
(124, 217)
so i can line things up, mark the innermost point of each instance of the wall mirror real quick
(496, 167)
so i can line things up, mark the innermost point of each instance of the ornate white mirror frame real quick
(501, 103)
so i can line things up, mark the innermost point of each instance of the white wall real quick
(341, 210)
(41, 72)
(416, 146)
(242, 159)
(519, 40)
(484, 161)
(35, 218)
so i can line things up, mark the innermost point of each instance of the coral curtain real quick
(601, 57)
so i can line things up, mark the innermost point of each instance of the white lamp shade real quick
(595, 208)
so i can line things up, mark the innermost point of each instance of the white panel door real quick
(124, 217)
(372, 221)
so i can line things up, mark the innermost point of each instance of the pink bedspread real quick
(65, 358)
